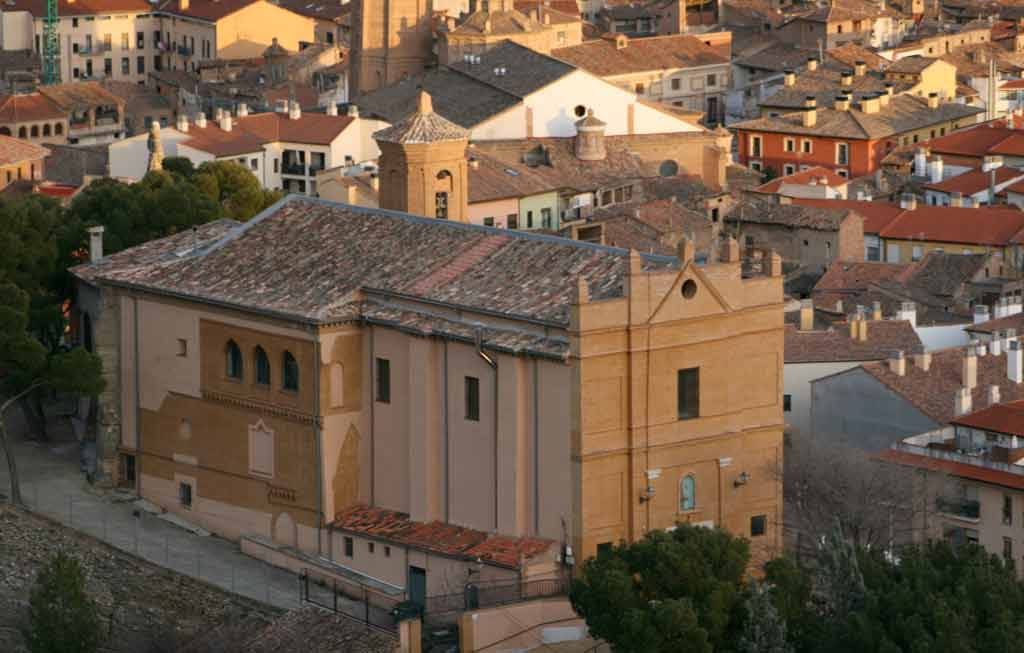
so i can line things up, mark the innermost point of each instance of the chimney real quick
(908, 312)
(870, 104)
(908, 201)
(859, 68)
(853, 321)
(812, 64)
(923, 361)
(842, 103)
(806, 314)
(95, 243)
(225, 121)
(981, 349)
(789, 78)
(294, 110)
(889, 89)
(1014, 368)
(589, 142)
(956, 199)
(839, 306)
(182, 5)
(996, 344)
(876, 311)
(243, 110)
(933, 100)
(981, 313)
(898, 364)
(374, 182)
(332, 109)
(810, 111)
(962, 402)
(993, 395)
(921, 161)
(846, 79)
(935, 169)
(353, 111)
(201, 120)
(969, 379)
(862, 327)
(182, 125)
(474, 162)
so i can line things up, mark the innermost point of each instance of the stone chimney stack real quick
(969, 378)
(860, 68)
(812, 64)
(294, 110)
(243, 110)
(862, 326)
(923, 361)
(332, 109)
(846, 78)
(876, 311)
(921, 161)
(962, 402)
(201, 120)
(806, 314)
(997, 343)
(908, 312)
(1014, 367)
(182, 123)
(908, 201)
(353, 111)
(935, 169)
(810, 114)
(95, 243)
(789, 78)
(225, 121)
(993, 395)
(956, 199)
(933, 100)
(590, 138)
(898, 364)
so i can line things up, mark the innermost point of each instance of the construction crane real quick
(51, 44)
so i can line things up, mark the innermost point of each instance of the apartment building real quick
(20, 160)
(127, 39)
(345, 381)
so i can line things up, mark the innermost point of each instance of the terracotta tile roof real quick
(877, 215)
(1012, 145)
(305, 94)
(944, 274)
(825, 84)
(973, 141)
(834, 345)
(29, 107)
(933, 392)
(439, 537)
(655, 226)
(844, 10)
(209, 10)
(910, 65)
(974, 181)
(526, 70)
(498, 22)
(77, 96)
(323, 9)
(602, 57)
(843, 275)
(37, 8)
(999, 324)
(848, 54)
(423, 126)
(903, 113)
(13, 150)
(955, 468)
(492, 179)
(1005, 418)
(818, 175)
(222, 143)
(796, 216)
(314, 128)
(1012, 84)
(775, 56)
(69, 164)
(306, 260)
(946, 224)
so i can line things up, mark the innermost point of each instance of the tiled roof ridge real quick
(452, 268)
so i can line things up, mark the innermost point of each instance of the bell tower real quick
(423, 168)
(390, 39)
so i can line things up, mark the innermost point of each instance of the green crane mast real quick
(51, 44)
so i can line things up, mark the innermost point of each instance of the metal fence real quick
(445, 608)
(349, 598)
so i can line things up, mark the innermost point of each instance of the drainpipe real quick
(493, 362)
(373, 402)
(318, 451)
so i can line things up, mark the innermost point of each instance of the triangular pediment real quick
(690, 295)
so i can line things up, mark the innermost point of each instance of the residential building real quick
(127, 40)
(656, 226)
(33, 117)
(837, 22)
(817, 182)
(286, 151)
(820, 342)
(682, 70)
(330, 19)
(977, 491)
(21, 160)
(142, 106)
(971, 189)
(871, 406)
(95, 115)
(850, 139)
(333, 377)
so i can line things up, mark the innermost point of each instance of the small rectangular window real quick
(758, 525)
(675, 84)
(603, 548)
(387, 551)
(806, 146)
(1008, 551)
(473, 398)
(790, 144)
(787, 403)
(688, 393)
(254, 164)
(185, 494)
(488, 222)
(1007, 510)
(349, 547)
(182, 347)
(370, 547)
(383, 381)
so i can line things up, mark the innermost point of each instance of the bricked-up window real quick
(688, 398)
(473, 398)
(349, 547)
(383, 380)
(262, 364)
(758, 525)
(234, 360)
(289, 372)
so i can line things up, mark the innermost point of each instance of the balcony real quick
(959, 507)
(94, 50)
(297, 169)
(184, 51)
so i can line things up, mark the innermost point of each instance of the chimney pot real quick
(908, 201)
(962, 402)
(812, 64)
(933, 100)
(353, 111)
(876, 311)
(993, 395)
(806, 315)
(898, 364)
(201, 120)
(970, 368)
(1014, 368)
(95, 243)
(923, 361)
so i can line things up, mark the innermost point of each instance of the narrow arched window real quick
(22, 132)
(262, 364)
(58, 129)
(233, 362)
(687, 493)
(35, 131)
(290, 372)
(46, 129)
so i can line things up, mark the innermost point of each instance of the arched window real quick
(337, 385)
(5, 131)
(22, 132)
(58, 129)
(687, 493)
(290, 372)
(46, 129)
(233, 356)
(442, 189)
(35, 131)
(262, 364)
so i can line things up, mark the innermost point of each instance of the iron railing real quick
(350, 599)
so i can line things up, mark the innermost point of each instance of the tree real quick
(765, 630)
(29, 366)
(667, 592)
(234, 188)
(62, 617)
(180, 165)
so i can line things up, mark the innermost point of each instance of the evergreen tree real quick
(62, 618)
(764, 631)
